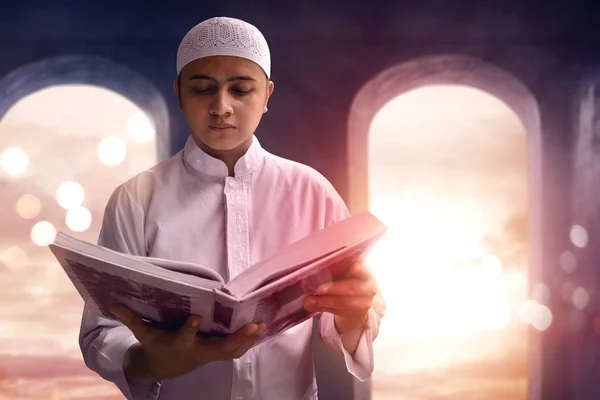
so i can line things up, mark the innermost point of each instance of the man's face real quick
(223, 99)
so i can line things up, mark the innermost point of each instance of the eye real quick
(240, 91)
(204, 90)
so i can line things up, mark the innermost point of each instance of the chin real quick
(223, 143)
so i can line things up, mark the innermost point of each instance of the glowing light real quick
(568, 261)
(461, 299)
(69, 194)
(581, 298)
(112, 151)
(28, 206)
(579, 236)
(541, 318)
(492, 265)
(78, 219)
(14, 258)
(515, 278)
(541, 293)
(449, 269)
(494, 318)
(140, 127)
(14, 161)
(526, 311)
(43, 233)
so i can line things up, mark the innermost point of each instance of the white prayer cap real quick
(224, 36)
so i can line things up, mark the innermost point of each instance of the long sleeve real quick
(360, 365)
(104, 342)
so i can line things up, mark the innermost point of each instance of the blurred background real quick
(469, 128)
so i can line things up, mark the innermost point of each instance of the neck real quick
(229, 157)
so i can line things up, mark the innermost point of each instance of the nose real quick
(221, 104)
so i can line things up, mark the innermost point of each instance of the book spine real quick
(227, 312)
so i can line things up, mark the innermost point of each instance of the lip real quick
(220, 128)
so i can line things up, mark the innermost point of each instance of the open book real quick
(166, 293)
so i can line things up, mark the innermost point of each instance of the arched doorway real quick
(450, 70)
(71, 130)
(93, 71)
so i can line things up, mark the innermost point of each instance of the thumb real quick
(135, 324)
(122, 313)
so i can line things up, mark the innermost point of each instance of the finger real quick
(349, 287)
(335, 311)
(140, 329)
(231, 342)
(244, 347)
(248, 341)
(189, 331)
(360, 270)
(340, 304)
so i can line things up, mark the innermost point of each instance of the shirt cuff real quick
(360, 365)
(110, 364)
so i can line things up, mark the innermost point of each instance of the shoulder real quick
(139, 187)
(301, 178)
(299, 174)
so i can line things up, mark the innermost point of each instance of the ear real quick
(176, 88)
(270, 88)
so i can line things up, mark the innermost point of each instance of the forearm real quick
(350, 332)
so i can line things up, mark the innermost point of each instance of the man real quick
(225, 203)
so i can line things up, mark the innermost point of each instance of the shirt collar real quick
(203, 162)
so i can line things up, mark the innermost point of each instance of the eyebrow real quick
(230, 79)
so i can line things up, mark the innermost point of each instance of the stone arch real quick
(95, 71)
(453, 70)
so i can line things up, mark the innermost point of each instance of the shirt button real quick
(231, 183)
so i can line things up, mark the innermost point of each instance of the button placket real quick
(237, 227)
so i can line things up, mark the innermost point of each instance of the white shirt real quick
(187, 208)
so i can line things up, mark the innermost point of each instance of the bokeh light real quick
(541, 317)
(28, 206)
(568, 261)
(578, 236)
(14, 161)
(14, 258)
(581, 298)
(112, 151)
(69, 194)
(43, 233)
(140, 127)
(78, 219)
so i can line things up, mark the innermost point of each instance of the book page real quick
(165, 303)
(280, 304)
(124, 262)
(307, 251)
(183, 267)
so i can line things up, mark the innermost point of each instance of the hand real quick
(165, 354)
(349, 299)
